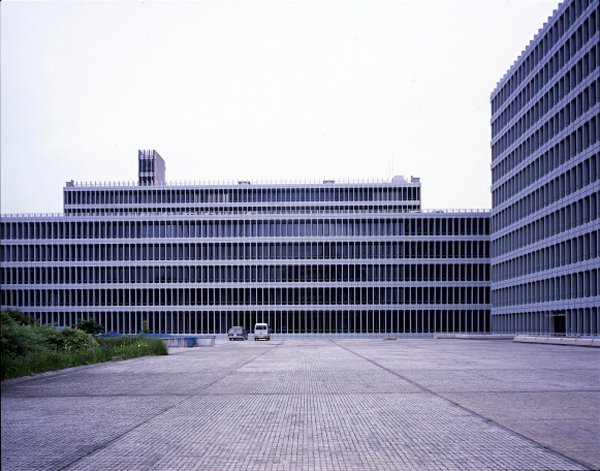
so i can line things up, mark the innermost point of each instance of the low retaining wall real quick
(474, 336)
(175, 340)
(576, 341)
(205, 342)
(188, 341)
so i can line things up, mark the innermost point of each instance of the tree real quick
(19, 317)
(90, 326)
(71, 339)
(20, 336)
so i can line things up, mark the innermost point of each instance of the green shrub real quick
(28, 348)
(71, 339)
(19, 317)
(90, 326)
(21, 339)
(122, 348)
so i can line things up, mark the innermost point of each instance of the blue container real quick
(191, 341)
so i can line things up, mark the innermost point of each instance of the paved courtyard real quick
(313, 405)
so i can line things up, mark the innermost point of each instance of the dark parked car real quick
(237, 332)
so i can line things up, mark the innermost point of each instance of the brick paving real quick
(313, 405)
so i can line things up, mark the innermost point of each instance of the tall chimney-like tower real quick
(151, 168)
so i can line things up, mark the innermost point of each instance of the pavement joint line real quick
(143, 422)
(486, 419)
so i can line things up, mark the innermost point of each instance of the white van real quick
(262, 331)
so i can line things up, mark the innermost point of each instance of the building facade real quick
(348, 258)
(315, 258)
(546, 180)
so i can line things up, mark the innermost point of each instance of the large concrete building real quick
(348, 258)
(546, 180)
(328, 257)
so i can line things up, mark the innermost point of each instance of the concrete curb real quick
(576, 341)
(474, 336)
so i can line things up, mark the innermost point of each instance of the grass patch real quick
(29, 349)
(107, 350)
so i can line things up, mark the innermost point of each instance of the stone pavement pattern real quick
(313, 405)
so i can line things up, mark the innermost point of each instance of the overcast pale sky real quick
(255, 91)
